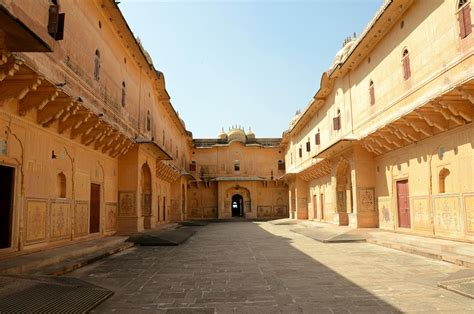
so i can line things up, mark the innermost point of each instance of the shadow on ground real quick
(230, 267)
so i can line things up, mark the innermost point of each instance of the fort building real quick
(90, 144)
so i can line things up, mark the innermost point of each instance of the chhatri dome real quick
(236, 133)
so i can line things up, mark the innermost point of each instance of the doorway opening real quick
(7, 175)
(403, 203)
(237, 206)
(94, 222)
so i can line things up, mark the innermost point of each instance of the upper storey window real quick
(308, 145)
(148, 121)
(406, 64)
(97, 66)
(56, 21)
(317, 138)
(336, 121)
(372, 93)
(464, 18)
(300, 152)
(236, 165)
(124, 94)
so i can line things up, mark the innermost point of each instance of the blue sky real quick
(248, 63)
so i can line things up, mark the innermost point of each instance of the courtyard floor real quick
(258, 267)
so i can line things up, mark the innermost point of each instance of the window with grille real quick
(281, 165)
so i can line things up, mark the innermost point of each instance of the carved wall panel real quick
(366, 200)
(81, 219)
(111, 217)
(36, 220)
(209, 212)
(386, 219)
(196, 212)
(127, 204)
(264, 211)
(447, 215)
(421, 214)
(60, 220)
(469, 210)
(280, 211)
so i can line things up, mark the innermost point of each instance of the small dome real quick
(294, 119)
(222, 135)
(342, 54)
(250, 134)
(237, 134)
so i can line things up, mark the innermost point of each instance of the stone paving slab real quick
(252, 267)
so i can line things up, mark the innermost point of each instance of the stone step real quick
(422, 248)
(34, 262)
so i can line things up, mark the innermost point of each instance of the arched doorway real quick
(237, 205)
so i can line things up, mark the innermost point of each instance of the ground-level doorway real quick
(7, 175)
(94, 222)
(403, 203)
(237, 206)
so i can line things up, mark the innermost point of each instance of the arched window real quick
(442, 180)
(281, 165)
(124, 94)
(464, 18)
(61, 185)
(406, 64)
(371, 93)
(148, 121)
(97, 66)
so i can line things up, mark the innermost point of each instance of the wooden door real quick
(321, 202)
(6, 205)
(403, 203)
(315, 208)
(94, 222)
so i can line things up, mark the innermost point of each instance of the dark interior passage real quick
(94, 226)
(237, 206)
(6, 205)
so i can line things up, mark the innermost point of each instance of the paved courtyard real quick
(258, 267)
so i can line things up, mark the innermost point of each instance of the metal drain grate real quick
(54, 295)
